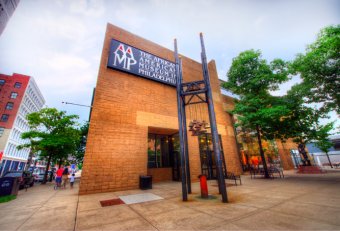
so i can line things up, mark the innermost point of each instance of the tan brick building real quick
(134, 125)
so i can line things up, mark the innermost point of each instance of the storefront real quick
(134, 125)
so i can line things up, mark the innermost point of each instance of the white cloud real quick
(61, 62)
(90, 8)
(59, 42)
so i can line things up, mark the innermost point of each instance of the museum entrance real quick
(208, 163)
(164, 157)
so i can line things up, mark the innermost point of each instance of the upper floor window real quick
(2, 82)
(2, 129)
(14, 95)
(4, 117)
(9, 106)
(17, 85)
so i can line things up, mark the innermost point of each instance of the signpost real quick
(129, 59)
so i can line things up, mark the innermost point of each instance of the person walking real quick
(58, 177)
(72, 180)
(65, 176)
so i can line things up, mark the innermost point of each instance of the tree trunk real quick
(329, 160)
(266, 174)
(29, 162)
(60, 161)
(47, 167)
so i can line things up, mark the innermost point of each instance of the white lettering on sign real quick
(157, 68)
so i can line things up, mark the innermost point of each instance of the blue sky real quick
(59, 42)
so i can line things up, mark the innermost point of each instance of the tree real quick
(322, 140)
(53, 133)
(302, 122)
(319, 69)
(79, 154)
(252, 78)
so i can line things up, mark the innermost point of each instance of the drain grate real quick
(111, 202)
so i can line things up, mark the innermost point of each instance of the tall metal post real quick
(181, 126)
(215, 138)
(185, 136)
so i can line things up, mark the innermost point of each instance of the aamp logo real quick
(124, 57)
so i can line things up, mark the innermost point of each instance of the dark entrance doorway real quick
(164, 155)
(207, 156)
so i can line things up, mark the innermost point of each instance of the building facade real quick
(20, 96)
(7, 8)
(134, 125)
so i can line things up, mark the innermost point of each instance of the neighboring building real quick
(19, 96)
(134, 125)
(7, 8)
(320, 157)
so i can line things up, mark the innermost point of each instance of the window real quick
(17, 85)
(14, 95)
(4, 117)
(158, 151)
(9, 106)
(2, 129)
(2, 82)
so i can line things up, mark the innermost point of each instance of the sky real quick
(59, 42)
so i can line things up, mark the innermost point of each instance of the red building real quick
(12, 90)
(19, 96)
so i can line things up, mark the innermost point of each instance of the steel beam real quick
(180, 124)
(214, 132)
(185, 136)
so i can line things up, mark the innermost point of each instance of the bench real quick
(271, 171)
(232, 176)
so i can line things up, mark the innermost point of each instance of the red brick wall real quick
(126, 106)
(5, 96)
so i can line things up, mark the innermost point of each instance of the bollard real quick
(204, 186)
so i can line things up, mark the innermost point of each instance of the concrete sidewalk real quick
(297, 202)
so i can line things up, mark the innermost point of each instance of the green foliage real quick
(252, 78)
(322, 137)
(249, 74)
(7, 198)
(79, 154)
(302, 121)
(53, 133)
(319, 68)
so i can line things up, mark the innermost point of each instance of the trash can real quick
(9, 186)
(145, 182)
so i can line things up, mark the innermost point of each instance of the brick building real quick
(134, 126)
(19, 96)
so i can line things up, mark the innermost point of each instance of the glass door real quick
(207, 156)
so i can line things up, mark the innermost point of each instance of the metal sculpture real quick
(194, 93)
(302, 151)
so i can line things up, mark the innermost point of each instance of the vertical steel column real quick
(185, 135)
(214, 133)
(180, 124)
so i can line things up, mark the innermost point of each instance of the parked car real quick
(39, 177)
(25, 177)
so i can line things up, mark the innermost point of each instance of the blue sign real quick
(73, 166)
(129, 59)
